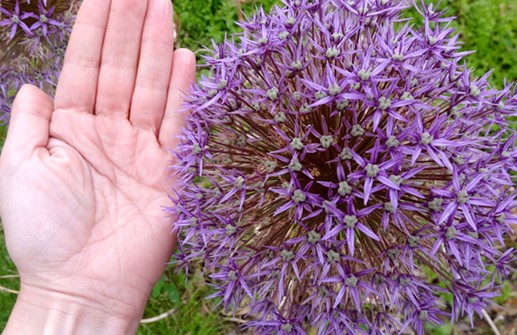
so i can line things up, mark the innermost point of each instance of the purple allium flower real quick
(336, 154)
(14, 20)
(34, 53)
(44, 18)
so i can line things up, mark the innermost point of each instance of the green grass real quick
(7, 268)
(3, 132)
(203, 20)
(193, 314)
(490, 27)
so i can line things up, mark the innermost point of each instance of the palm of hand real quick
(105, 213)
(82, 197)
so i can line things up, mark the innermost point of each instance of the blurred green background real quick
(487, 26)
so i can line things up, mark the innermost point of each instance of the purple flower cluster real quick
(33, 35)
(334, 156)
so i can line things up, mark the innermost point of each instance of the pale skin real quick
(84, 179)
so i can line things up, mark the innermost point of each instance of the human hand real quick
(83, 179)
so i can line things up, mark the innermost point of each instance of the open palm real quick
(83, 180)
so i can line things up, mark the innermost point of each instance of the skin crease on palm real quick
(83, 178)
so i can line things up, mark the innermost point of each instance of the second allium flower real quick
(333, 157)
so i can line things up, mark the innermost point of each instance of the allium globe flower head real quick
(33, 35)
(333, 157)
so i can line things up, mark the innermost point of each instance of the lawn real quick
(487, 26)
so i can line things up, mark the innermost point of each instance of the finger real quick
(183, 75)
(29, 124)
(78, 80)
(120, 57)
(154, 68)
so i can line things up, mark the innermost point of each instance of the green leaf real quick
(157, 289)
(173, 293)
(445, 329)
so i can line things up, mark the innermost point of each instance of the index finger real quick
(77, 85)
(183, 75)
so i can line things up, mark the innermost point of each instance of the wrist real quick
(42, 312)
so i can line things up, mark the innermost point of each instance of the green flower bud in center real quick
(335, 89)
(384, 103)
(357, 130)
(435, 205)
(326, 141)
(450, 232)
(463, 197)
(333, 256)
(351, 281)
(273, 93)
(232, 275)
(313, 237)
(296, 143)
(392, 142)
(372, 170)
(350, 221)
(364, 74)
(426, 138)
(345, 154)
(298, 196)
(332, 53)
(287, 255)
(344, 189)
(295, 165)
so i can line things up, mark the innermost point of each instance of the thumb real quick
(29, 124)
